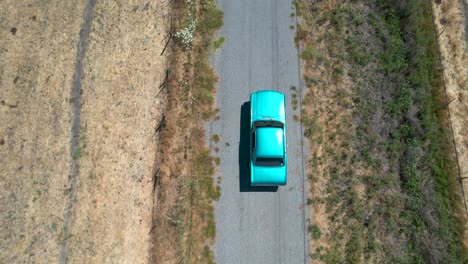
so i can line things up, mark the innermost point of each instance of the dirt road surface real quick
(257, 225)
(78, 109)
(451, 23)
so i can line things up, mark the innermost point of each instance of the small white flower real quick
(186, 35)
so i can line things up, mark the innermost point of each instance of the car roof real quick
(268, 105)
(269, 142)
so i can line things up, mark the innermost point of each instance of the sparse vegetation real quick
(449, 20)
(215, 138)
(294, 99)
(296, 118)
(300, 35)
(315, 232)
(218, 43)
(77, 153)
(381, 159)
(189, 191)
(309, 53)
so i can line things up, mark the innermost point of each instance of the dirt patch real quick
(450, 23)
(110, 204)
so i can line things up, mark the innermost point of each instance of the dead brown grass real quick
(34, 126)
(122, 69)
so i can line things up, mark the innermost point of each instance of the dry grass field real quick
(85, 196)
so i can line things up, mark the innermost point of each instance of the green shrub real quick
(218, 43)
(309, 53)
(212, 19)
(315, 232)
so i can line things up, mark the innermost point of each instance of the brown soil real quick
(110, 198)
(450, 25)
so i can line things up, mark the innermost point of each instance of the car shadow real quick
(244, 154)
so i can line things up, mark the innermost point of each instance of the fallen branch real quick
(163, 84)
(170, 37)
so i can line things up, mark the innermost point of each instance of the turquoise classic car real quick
(268, 139)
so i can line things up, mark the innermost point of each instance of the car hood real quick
(261, 175)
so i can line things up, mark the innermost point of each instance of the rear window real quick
(268, 124)
(270, 162)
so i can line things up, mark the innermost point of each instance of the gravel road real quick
(262, 224)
